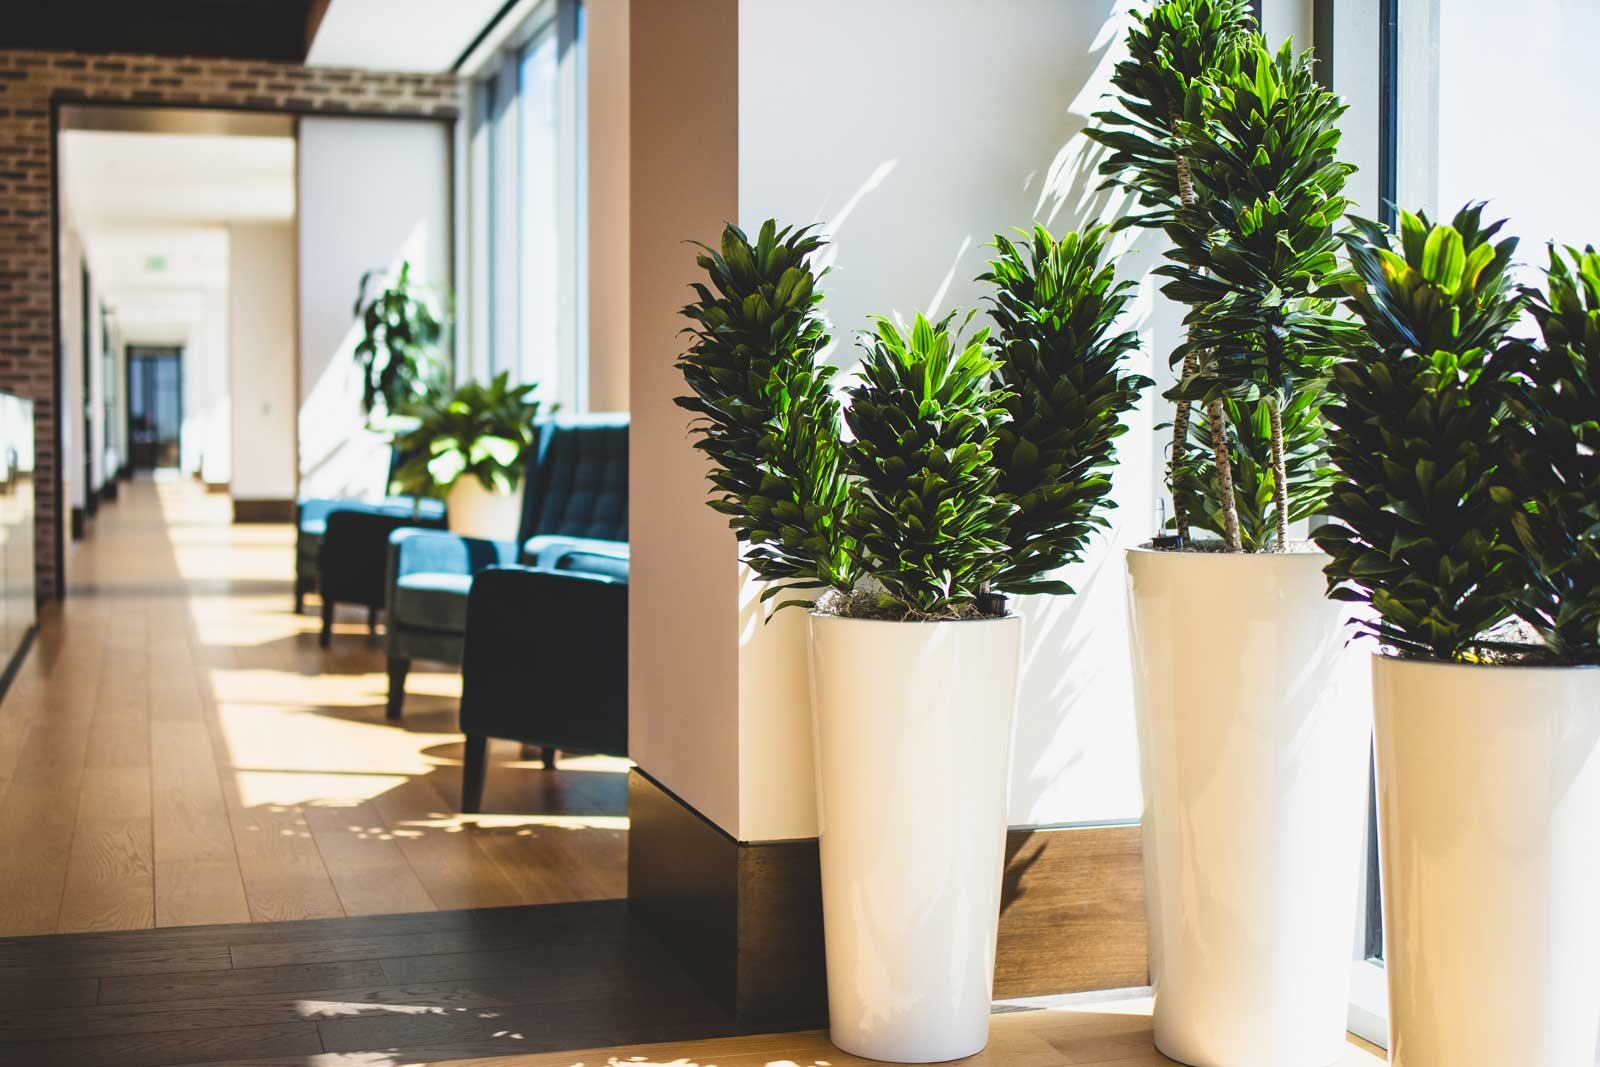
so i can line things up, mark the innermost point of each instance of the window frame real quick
(492, 311)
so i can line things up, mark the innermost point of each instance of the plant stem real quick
(1224, 464)
(1280, 475)
(1180, 440)
(1180, 414)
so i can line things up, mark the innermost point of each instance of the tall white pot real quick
(1254, 720)
(1489, 802)
(479, 512)
(913, 726)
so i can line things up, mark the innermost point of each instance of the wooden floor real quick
(176, 750)
(1106, 1034)
(346, 992)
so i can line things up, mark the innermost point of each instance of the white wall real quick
(206, 441)
(683, 609)
(72, 365)
(261, 330)
(607, 44)
(371, 192)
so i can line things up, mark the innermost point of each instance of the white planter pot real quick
(1489, 803)
(913, 726)
(1254, 724)
(478, 512)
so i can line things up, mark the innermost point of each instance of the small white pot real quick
(1254, 721)
(913, 726)
(1489, 804)
(479, 512)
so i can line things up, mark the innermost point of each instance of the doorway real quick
(155, 407)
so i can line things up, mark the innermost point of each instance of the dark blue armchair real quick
(311, 528)
(575, 498)
(545, 660)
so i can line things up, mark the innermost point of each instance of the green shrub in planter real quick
(478, 430)
(1173, 47)
(1415, 434)
(977, 465)
(1551, 480)
(1055, 309)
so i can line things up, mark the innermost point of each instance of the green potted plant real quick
(469, 446)
(1252, 729)
(401, 328)
(1466, 527)
(977, 469)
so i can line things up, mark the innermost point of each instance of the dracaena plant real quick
(1055, 307)
(1309, 474)
(1253, 255)
(477, 430)
(1172, 47)
(976, 467)
(1550, 485)
(766, 415)
(929, 519)
(402, 326)
(1415, 433)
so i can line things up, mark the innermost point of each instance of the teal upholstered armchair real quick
(575, 496)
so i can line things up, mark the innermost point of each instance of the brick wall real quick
(30, 83)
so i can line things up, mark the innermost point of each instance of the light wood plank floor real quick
(176, 750)
(1106, 1034)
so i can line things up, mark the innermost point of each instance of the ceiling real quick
(239, 29)
(176, 178)
(421, 36)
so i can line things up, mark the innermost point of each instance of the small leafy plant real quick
(480, 431)
(400, 332)
(1469, 460)
(977, 464)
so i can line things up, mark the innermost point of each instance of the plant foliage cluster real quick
(477, 430)
(975, 464)
(401, 329)
(1468, 476)
(1232, 150)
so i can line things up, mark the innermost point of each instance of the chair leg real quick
(398, 667)
(472, 774)
(325, 638)
(299, 599)
(372, 622)
(549, 757)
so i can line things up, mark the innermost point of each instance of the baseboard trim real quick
(746, 917)
(262, 510)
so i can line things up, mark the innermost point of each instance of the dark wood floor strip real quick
(349, 992)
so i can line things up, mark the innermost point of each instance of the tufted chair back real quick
(577, 479)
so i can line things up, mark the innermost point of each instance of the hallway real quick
(175, 750)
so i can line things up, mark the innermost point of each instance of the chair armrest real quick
(547, 550)
(417, 551)
(546, 659)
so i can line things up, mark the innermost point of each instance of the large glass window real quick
(526, 160)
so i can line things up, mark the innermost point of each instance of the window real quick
(527, 261)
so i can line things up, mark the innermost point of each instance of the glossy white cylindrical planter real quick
(1489, 805)
(1254, 720)
(479, 512)
(913, 726)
